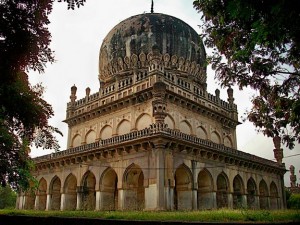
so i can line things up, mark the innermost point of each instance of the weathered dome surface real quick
(134, 38)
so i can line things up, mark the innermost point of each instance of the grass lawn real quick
(222, 215)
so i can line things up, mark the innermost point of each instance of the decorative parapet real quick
(163, 131)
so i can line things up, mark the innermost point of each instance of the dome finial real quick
(152, 11)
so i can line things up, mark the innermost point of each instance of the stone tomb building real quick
(153, 138)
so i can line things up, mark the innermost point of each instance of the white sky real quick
(76, 39)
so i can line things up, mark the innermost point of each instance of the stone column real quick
(79, 200)
(214, 199)
(160, 176)
(98, 200)
(121, 199)
(62, 201)
(48, 202)
(194, 199)
(230, 200)
(36, 203)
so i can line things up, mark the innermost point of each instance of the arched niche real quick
(42, 194)
(106, 132)
(205, 190)
(55, 186)
(274, 198)
(251, 193)
(238, 192)
(185, 127)
(76, 141)
(170, 122)
(215, 137)
(143, 121)
(70, 188)
(222, 190)
(133, 183)
(124, 127)
(90, 137)
(228, 142)
(183, 188)
(263, 195)
(109, 190)
(201, 133)
(88, 184)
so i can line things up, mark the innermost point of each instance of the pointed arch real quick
(238, 191)
(251, 193)
(30, 196)
(222, 190)
(88, 185)
(263, 195)
(201, 132)
(123, 127)
(185, 127)
(133, 182)
(109, 189)
(215, 137)
(183, 188)
(76, 141)
(70, 189)
(90, 137)
(106, 132)
(274, 198)
(169, 120)
(42, 194)
(143, 121)
(205, 190)
(55, 187)
(228, 142)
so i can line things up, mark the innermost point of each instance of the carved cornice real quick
(144, 140)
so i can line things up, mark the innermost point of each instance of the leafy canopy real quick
(24, 114)
(257, 44)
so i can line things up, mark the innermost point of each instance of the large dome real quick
(137, 35)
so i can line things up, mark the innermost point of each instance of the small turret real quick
(73, 96)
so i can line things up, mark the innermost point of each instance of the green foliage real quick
(24, 114)
(72, 3)
(294, 201)
(257, 44)
(7, 197)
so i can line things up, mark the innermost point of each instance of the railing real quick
(155, 129)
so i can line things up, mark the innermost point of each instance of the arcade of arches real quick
(130, 189)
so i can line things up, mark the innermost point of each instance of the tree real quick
(7, 197)
(24, 45)
(257, 44)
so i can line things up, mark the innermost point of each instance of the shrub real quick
(294, 201)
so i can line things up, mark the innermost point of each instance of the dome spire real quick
(152, 11)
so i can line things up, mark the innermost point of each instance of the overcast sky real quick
(76, 39)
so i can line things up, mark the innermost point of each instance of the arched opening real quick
(42, 194)
(124, 127)
(70, 192)
(170, 122)
(201, 133)
(183, 188)
(106, 132)
(88, 191)
(185, 127)
(205, 187)
(263, 195)
(55, 187)
(238, 192)
(222, 191)
(30, 197)
(134, 186)
(143, 122)
(76, 141)
(109, 189)
(251, 192)
(90, 137)
(274, 196)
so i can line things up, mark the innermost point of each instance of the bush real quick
(294, 201)
(7, 197)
